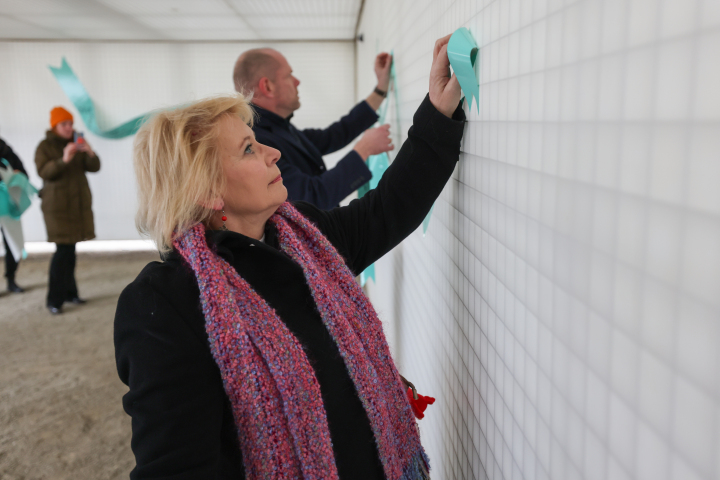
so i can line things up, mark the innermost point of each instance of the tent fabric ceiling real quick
(179, 20)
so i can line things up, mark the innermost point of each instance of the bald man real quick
(267, 75)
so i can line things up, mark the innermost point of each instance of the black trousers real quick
(62, 285)
(10, 263)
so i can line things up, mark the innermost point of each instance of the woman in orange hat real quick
(66, 202)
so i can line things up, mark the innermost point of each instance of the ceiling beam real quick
(359, 17)
(259, 40)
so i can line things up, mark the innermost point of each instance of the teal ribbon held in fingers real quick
(16, 192)
(462, 52)
(81, 99)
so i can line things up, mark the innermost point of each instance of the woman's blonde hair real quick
(178, 166)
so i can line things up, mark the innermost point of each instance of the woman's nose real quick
(274, 155)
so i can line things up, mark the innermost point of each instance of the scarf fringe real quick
(418, 469)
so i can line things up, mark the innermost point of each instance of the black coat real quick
(181, 418)
(304, 172)
(7, 153)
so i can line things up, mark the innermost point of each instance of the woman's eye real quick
(249, 149)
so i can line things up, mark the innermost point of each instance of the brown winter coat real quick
(66, 197)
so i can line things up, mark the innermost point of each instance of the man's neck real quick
(270, 107)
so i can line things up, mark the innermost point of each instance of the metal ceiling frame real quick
(157, 35)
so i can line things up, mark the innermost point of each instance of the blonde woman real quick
(250, 351)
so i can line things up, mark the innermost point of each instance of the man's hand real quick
(374, 141)
(444, 90)
(382, 70)
(69, 152)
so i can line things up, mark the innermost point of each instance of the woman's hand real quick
(444, 90)
(85, 147)
(69, 152)
(374, 142)
(382, 70)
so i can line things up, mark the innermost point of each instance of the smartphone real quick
(78, 137)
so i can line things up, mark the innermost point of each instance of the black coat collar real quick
(272, 122)
(267, 119)
(230, 244)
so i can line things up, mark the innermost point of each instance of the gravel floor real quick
(61, 415)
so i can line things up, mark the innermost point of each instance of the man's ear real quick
(265, 87)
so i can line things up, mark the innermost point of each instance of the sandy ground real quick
(61, 415)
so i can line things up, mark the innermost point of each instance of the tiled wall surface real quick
(129, 79)
(564, 306)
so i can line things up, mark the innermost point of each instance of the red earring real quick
(224, 219)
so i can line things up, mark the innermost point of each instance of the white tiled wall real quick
(129, 79)
(564, 306)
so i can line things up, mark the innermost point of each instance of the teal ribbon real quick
(81, 99)
(377, 164)
(426, 221)
(15, 195)
(462, 52)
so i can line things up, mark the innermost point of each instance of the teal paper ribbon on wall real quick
(377, 164)
(462, 52)
(81, 99)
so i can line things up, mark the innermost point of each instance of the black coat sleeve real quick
(326, 190)
(371, 226)
(342, 132)
(176, 397)
(7, 153)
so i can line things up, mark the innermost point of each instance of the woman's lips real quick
(277, 179)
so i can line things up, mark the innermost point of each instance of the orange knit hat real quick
(59, 114)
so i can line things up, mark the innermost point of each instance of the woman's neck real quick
(252, 226)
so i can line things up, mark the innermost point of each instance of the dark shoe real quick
(76, 300)
(55, 310)
(14, 287)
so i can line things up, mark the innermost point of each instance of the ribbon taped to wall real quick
(462, 52)
(77, 94)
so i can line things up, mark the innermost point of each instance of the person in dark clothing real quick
(66, 203)
(250, 351)
(266, 74)
(11, 264)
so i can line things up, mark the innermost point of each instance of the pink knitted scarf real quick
(275, 396)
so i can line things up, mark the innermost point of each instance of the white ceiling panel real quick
(13, 28)
(40, 7)
(65, 22)
(212, 34)
(91, 33)
(170, 7)
(296, 7)
(195, 22)
(189, 20)
(344, 23)
(305, 34)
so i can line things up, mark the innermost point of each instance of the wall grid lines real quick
(564, 305)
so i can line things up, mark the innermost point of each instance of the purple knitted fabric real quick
(275, 396)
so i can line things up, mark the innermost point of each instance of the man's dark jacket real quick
(7, 153)
(182, 423)
(304, 172)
